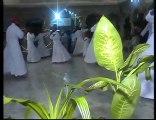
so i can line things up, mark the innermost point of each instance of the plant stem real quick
(117, 78)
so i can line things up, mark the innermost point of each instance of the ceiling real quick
(28, 3)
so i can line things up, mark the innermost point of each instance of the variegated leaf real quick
(123, 105)
(133, 56)
(107, 45)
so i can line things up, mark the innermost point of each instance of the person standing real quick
(147, 86)
(78, 50)
(33, 53)
(89, 55)
(87, 39)
(13, 58)
(44, 52)
(59, 54)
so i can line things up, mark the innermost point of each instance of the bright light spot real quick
(57, 16)
(105, 28)
(75, 15)
(135, 1)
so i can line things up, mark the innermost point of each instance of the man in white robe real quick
(147, 86)
(13, 58)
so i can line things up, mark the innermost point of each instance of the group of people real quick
(13, 58)
(14, 62)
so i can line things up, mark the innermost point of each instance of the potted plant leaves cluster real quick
(126, 86)
(63, 109)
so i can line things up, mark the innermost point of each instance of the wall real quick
(82, 11)
(45, 13)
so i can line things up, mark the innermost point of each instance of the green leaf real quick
(83, 107)
(70, 110)
(143, 64)
(99, 84)
(151, 67)
(108, 45)
(50, 104)
(133, 56)
(107, 80)
(148, 74)
(27, 112)
(65, 103)
(56, 109)
(105, 88)
(123, 105)
(113, 88)
(148, 60)
(38, 107)
(6, 100)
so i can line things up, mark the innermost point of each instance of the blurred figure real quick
(68, 32)
(78, 50)
(138, 25)
(147, 86)
(90, 56)
(146, 33)
(33, 53)
(44, 52)
(64, 40)
(13, 58)
(60, 54)
(147, 29)
(87, 39)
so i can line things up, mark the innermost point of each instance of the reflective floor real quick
(44, 72)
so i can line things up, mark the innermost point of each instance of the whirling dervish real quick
(59, 54)
(78, 50)
(90, 56)
(13, 58)
(147, 86)
(44, 52)
(33, 53)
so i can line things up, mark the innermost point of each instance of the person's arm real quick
(145, 30)
(20, 33)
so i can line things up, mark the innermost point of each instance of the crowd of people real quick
(61, 51)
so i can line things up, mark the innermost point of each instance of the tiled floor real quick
(52, 75)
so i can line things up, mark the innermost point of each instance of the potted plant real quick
(126, 86)
(64, 107)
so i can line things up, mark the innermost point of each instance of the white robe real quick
(79, 43)
(90, 56)
(33, 53)
(147, 86)
(86, 44)
(44, 52)
(60, 54)
(13, 58)
(64, 40)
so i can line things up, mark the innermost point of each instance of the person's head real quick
(150, 16)
(15, 19)
(54, 27)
